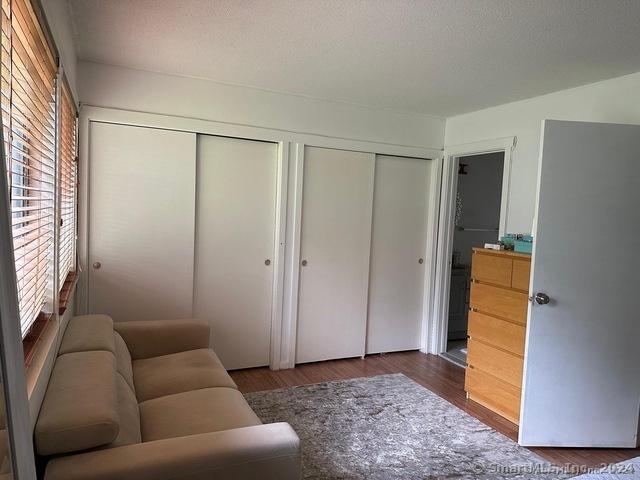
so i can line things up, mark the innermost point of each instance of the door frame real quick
(437, 337)
(288, 200)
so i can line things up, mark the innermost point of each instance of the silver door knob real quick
(97, 265)
(267, 262)
(542, 298)
(304, 263)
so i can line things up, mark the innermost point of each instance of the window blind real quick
(28, 71)
(67, 180)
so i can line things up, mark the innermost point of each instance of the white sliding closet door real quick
(335, 241)
(398, 241)
(141, 222)
(235, 231)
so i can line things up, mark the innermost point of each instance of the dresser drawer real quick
(498, 301)
(521, 274)
(492, 269)
(496, 332)
(499, 363)
(493, 393)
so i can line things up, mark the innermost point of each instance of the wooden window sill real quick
(66, 291)
(34, 337)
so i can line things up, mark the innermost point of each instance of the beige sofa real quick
(150, 401)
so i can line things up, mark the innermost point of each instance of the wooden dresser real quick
(497, 324)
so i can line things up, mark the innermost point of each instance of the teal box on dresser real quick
(524, 245)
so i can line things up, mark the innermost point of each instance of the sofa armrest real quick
(265, 452)
(152, 338)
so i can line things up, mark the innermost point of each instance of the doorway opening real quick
(477, 208)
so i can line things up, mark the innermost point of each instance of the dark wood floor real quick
(430, 371)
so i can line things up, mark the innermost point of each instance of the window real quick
(28, 71)
(67, 181)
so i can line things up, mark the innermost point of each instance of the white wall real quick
(117, 87)
(616, 101)
(60, 22)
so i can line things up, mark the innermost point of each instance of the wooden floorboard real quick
(432, 372)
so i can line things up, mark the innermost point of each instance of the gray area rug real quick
(388, 427)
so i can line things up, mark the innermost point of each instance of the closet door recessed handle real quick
(304, 263)
(421, 261)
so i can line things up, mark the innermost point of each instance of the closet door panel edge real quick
(398, 243)
(235, 234)
(335, 243)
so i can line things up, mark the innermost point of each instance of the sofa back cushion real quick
(129, 415)
(86, 333)
(146, 340)
(80, 408)
(5, 461)
(128, 409)
(123, 360)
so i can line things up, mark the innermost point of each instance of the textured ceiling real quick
(440, 57)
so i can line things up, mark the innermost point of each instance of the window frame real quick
(31, 66)
(66, 284)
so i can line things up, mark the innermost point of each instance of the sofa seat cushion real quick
(197, 411)
(178, 372)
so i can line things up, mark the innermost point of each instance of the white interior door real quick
(398, 241)
(581, 382)
(335, 245)
(141, 222)
(235, 231)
